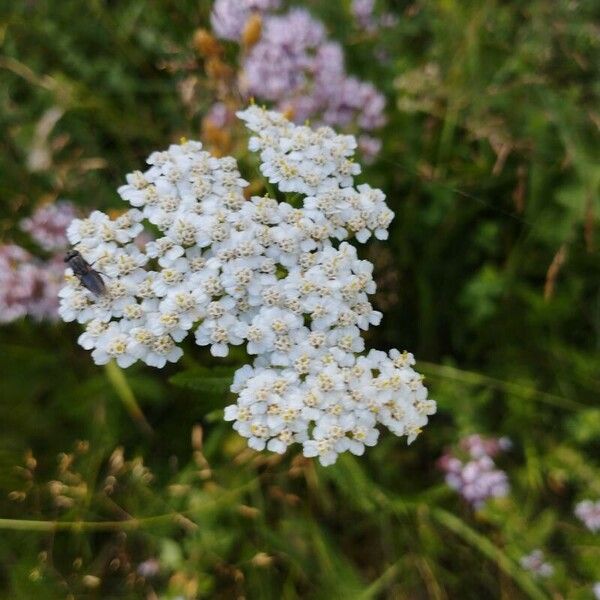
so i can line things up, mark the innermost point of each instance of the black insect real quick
(89, 278)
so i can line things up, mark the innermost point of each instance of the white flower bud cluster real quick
(257, 272)
(319, 165)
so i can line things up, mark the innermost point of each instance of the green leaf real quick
(490, 551)
(213, 380)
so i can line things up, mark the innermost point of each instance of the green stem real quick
(381, 583)
(470, 377)
(125, 524)
(125, 393)
(488, 549)
(78, 526)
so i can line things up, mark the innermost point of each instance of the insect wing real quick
(93, 282)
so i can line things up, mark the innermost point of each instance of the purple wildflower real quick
(476, 479)
(17, 282)
(362, 11)
(29, 285)
(228, 17)
(50, 278)
(364, 14)
(535, 564)
(352, 97)
(589, 513)
(220, 115)
(48, 225)
(296, 67)
(478, 446)
(369, 146)
(149, 568)
(277, 66)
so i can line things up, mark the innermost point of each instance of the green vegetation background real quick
(491, 277)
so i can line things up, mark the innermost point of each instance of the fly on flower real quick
(89, 278)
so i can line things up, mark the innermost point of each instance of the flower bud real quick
(252, 30)
(206, 44)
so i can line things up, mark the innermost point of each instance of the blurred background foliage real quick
(130, 485)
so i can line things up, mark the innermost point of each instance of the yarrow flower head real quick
(589, 513)
(280, 279)
(475, 477)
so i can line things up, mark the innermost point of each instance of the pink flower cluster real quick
(478, 447)
(29, 285)
(363, 12)
(474, 475)
(228, 17)
(536, 564)
(48, 225)
(297, 68)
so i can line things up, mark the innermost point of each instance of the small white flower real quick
(219, 333)
(115, 343)
(161, 351)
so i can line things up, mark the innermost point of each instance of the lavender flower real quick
(50, 277)
(220, 115)
(278, 65)
(589, 512)
(478, 446)
(17, 282)
(297, 68)
(369, 146)
(349, 98)
(228, 17)
(149, 568)
(48, 225)
(476, 479)
(364, 14)
(362, 11)
(30, 285)
(535, 564)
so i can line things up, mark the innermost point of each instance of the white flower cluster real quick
(329, 405)
(318, 164)
(257, 272)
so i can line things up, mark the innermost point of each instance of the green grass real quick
(491, 163)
